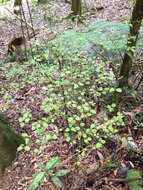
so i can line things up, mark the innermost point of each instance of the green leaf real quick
(68, 139)
(118, 90)
(22, 124)
(56, 181)
(38, 178)
(26, 115)
(21, 119)
(26, 140)
(98, 145)
(42, 147)
(123, 139)
(37, 141)
(41, 166)
(77, 163)
(34, 186)
(61, 172)
(112, 90)
(48, 137)
(54, 136)
(92, 111)
(24, 134)
(27, 148)
(20, 148)
(70, 119)
(112, 165)
(113, 105)
(130, 138)
(53, 163)
(27, 120)
(77, 118)
(36, 150)
(75, 86)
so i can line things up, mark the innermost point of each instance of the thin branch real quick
(141, 79)
(125, 180)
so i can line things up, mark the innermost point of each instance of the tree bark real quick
(17, 2)
(135, 23)
(76, 7)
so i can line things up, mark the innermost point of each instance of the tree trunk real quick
(9, 141)
(17, 7)
(76, 7)
(136, 19)
(17, 2)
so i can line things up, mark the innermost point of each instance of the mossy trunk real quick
(136, 20)
(76, 7)
(9, 141)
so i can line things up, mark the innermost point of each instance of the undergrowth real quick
(74, 90)
(76, 86)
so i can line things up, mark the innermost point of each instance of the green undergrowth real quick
(74, 88)
(100, 36)
(74, 93)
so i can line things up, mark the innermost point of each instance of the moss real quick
(9, 141)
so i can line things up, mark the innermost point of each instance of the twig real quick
(124, 180)
(141, 79)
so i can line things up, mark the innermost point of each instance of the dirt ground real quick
(19, 175)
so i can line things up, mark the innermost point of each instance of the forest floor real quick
(92, 173)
